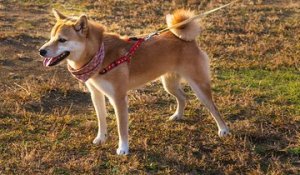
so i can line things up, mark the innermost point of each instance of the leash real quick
(188, 20)
(139, 41)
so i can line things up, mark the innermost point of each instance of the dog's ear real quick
(81, 25)
(58, 15)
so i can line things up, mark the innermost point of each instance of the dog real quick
(170, 56)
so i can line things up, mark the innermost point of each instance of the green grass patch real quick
(294, 151)
(279, 86)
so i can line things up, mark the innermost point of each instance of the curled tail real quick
(187, 32)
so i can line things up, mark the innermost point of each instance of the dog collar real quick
(90, 68)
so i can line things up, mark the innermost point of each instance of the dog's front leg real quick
(121, 109)
(99, 105)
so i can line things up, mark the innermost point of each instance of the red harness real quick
(125, 58)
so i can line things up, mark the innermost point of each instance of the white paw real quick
(100, 139)
(123, 150)
(224, 132)
(175, 117)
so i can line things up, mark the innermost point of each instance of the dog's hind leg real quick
(98, 100)
(203, 92)
(171, 83)
(198, 78)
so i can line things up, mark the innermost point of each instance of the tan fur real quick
(187, 32)
(165, 55)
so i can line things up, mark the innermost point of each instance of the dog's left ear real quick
(81, 25)
(58, 15)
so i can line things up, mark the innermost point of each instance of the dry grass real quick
(47, 122)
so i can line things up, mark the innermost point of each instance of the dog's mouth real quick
(52, 61)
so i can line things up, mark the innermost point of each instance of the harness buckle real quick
(151, 35)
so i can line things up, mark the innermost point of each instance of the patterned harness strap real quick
(125, 58)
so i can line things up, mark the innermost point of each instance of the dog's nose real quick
(43, 52)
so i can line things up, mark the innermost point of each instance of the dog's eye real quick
(61, 40)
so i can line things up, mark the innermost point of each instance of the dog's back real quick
(167, 52)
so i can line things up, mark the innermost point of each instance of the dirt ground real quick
(47, 122)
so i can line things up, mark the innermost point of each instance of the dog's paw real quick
(175, 117)
(100, 139)
(223, 132)
(122, 151)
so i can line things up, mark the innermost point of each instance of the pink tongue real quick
(47, 61)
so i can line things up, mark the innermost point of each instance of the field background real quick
(47, 122)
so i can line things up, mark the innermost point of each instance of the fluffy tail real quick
(187, 32)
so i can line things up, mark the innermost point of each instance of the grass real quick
(275, 87)
(47, 121)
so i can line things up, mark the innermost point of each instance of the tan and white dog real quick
(172, 56)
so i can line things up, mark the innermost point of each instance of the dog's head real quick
(68, 39)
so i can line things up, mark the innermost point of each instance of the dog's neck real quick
(93, 43)
(114, 46)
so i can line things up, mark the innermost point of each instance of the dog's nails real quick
(224, 132)
(99, 140)
(120, 151)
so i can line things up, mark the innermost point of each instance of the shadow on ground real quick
(56, 100)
